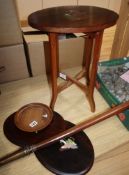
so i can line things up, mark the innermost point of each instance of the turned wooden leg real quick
(93, 73)
(54, 60)
(87, 54)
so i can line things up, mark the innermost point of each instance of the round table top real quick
(72, 19)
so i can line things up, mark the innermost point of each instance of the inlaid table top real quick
(72, 19)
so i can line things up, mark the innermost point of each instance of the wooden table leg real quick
(54, 56)
(53, 39)
(87, 54)
(96, 55)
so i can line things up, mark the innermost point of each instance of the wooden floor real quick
(109, 138)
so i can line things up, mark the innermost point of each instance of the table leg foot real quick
(92, 104)
(53, 101)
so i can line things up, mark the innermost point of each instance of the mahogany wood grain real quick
(74, 19)
(54, 58)
(95, 59)
(88, 47)
(33, 117)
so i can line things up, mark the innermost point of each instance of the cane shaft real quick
(16, 155)
(11, 157)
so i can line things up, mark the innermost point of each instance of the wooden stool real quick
(74, 19)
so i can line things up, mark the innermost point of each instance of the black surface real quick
(23, 139)
(71, 161)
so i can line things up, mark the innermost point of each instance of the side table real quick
(74, 19)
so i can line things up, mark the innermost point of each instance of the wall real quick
(29, 6)
(121, 40)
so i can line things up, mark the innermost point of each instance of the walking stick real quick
(81, 126)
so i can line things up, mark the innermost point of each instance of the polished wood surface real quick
(33, 117)
(25, 139)
(70, 19)
(77, 161)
